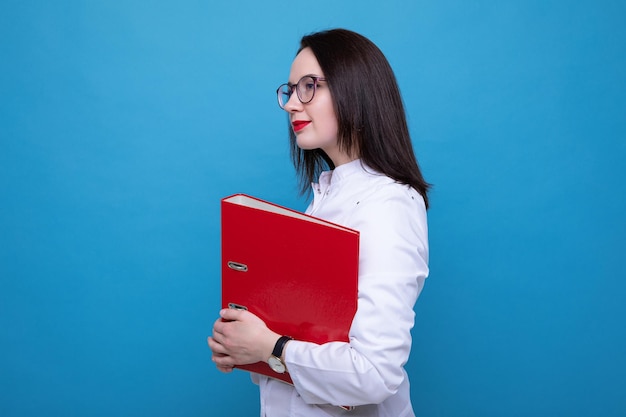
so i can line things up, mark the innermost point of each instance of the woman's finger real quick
(218, 326)
(225, 369)
(215, 346)
(231, 314)
(222, 360)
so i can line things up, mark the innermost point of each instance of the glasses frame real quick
(293, 87)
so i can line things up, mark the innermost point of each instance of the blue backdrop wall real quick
(122, 124)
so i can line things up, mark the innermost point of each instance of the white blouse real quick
(368, 372)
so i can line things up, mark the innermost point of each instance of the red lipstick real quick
(298, 125)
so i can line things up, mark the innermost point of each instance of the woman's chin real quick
(304, 145)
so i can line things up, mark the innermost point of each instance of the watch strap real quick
(280, 345)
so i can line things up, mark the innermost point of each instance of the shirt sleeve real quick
(393, 264)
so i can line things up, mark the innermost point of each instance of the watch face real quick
(276, 364)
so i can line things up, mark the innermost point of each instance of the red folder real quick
(296, 272)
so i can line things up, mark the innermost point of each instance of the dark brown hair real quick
(369, 110)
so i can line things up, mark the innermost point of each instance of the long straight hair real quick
(369, 111)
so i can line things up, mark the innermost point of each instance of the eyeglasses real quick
(305, 90)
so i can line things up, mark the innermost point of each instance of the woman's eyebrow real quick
(305, 75)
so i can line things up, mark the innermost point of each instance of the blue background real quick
(122, 124)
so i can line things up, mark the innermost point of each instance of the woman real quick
(348, 127)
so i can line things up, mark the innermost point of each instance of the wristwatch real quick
(274, 361)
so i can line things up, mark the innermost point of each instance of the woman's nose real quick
(293, 104)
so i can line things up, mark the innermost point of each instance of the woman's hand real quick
(240, 338)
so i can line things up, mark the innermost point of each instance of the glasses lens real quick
(306, 89)
(284, 93)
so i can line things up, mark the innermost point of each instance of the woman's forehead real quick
(304, 64)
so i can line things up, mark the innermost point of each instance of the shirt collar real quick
(341, 172)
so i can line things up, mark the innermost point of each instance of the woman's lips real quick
(298, 125)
